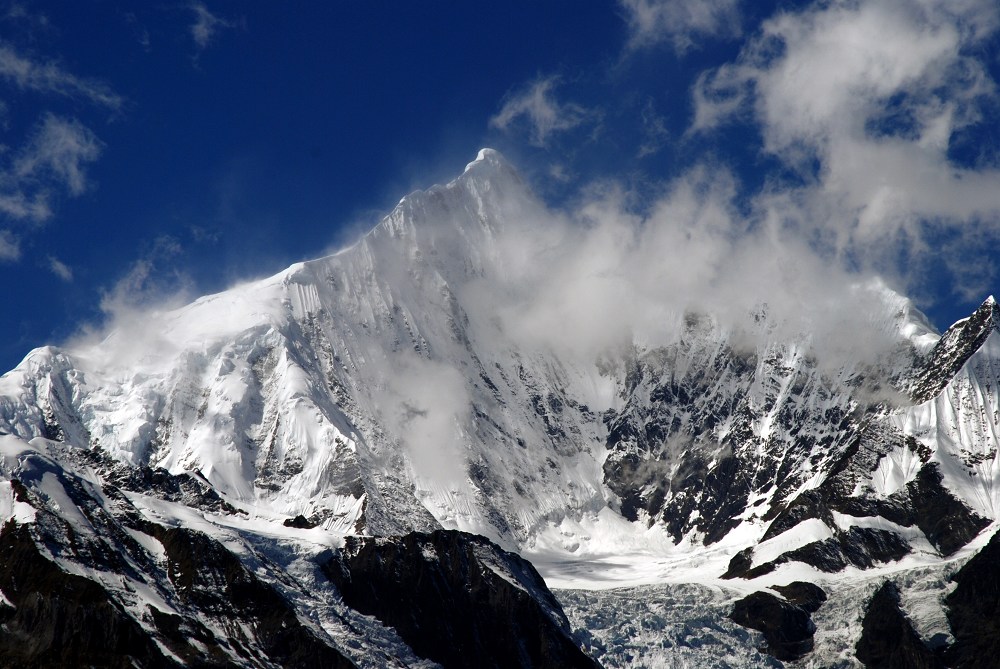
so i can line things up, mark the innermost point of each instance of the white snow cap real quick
(489, 156)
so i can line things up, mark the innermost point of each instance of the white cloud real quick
(16, 204)
(58, 152)
(536, 105)
(54, 159)
(428, 422)
(602, 275)
(206, 25)
(60, 269)
(863, 99)
(679, 22)
(10, 248)
(49, 78)
(654, 131)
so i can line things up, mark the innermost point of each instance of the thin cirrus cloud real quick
(864, 101)
(10, 248)
(60, 269)
(54, 158)
(58, 152)
(206, 25)
(541, 113)
(48, 77)
(681, 23)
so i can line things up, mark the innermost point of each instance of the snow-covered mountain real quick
(212, 480)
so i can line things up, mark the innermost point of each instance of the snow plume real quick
(133, 326)
(425, 402)
(607, 273)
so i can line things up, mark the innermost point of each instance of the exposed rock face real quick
(61, 619)
(201, 603)
(862, 547)
(946, 522)
(788, 628)
(974, 610)
(457, 599)
(215, 584)
(953, 350)
(888, 640)
(707, 424)
(807, 596)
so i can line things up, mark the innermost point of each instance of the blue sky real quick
(156, 150)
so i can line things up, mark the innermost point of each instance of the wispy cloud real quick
(60, 269)
(10, 248)
(654, 130)
(54, 160)
(206, 25)
(679, 22)
(536, 106)
(19, 205)
(58, 153)
(151, 279)
(49, 78)
(139, 31)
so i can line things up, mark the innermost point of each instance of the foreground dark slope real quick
(109, 587)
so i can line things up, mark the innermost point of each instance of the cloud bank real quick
(867, 102)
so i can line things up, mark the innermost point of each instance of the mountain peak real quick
(954, 348)
(488, 156)
(987, 316)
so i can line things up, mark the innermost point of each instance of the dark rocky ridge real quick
(64, 619)
(808, 596)
(861, 547)
(787, 627)
(457, 599)
(974, 610)
(61, 619)
(953, 350)
(888, 640)
(685, 448)
(923, 502)
(213, 583)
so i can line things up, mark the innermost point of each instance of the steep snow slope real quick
(960, 426)
(391, 387)
(369, 390)
(352, 389)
